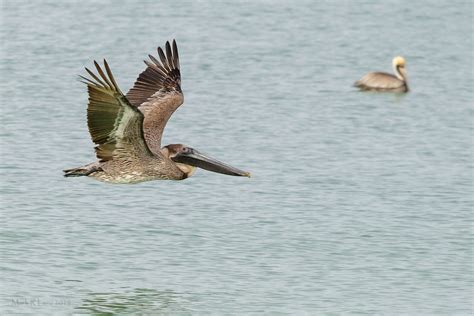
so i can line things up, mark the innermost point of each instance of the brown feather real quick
(109, 73)
(114, 124)
(175, 55)
(169, 55)
(95, 77)
(157, 93)
(102, 75)
(164, 61)
(158, 65)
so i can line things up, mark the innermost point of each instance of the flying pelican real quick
(381, 81)
(127, 129)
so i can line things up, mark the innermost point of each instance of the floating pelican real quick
(381, 81)
(128, 129)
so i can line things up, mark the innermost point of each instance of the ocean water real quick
(359, 204)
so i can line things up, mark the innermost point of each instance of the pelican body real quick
(381, 81)
(127, 129)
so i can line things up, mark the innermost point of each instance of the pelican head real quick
(398, 61)
(398, 64)
(187, 159)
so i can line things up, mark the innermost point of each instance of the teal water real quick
(360, 203)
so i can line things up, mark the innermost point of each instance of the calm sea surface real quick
(360, 203)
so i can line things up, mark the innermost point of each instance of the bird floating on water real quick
(127, 129)
(381, 81)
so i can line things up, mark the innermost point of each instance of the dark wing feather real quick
(160, 76)
(157, 93)
(114, 124)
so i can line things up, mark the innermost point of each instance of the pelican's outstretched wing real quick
(157, 93)
(114, 124)
(379, 81)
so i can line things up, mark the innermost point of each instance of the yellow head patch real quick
(398, 61)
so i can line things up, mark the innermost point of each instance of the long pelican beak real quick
(196, 159)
